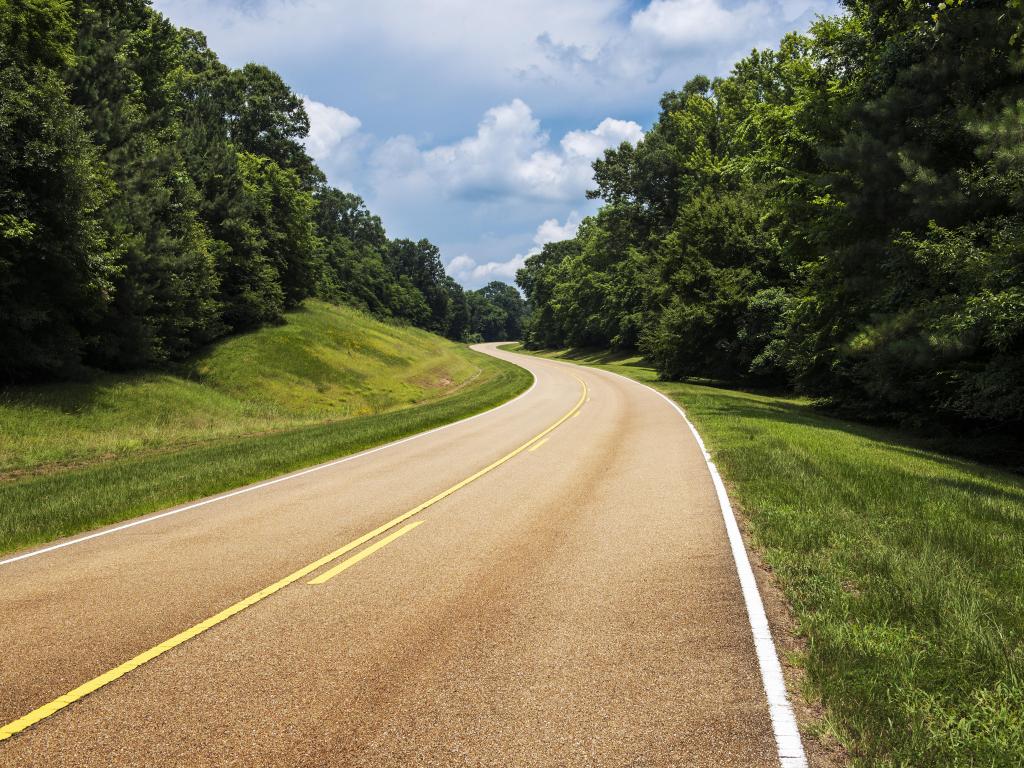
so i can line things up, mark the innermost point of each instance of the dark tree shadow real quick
(966, 453)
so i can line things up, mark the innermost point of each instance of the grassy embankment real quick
(904, 567)
(329, 382)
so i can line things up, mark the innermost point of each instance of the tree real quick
(277, 243)
(267, 118)
(420, 263)
(153, 199)
(486, 319)
(125, 79)
(353, 244)
(496, 313)
(56, 266)
(343, 214)
(459, 314)
(841, 213)
(510, 303)
(907, 313)
(538, 278)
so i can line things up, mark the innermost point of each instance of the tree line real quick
(841, 214)
(153, 199)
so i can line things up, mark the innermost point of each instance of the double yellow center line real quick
(346, 564)
(45, 711)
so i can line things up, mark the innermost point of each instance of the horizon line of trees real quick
(153, 200)
(843, 215)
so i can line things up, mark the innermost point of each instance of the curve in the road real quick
(581, 606)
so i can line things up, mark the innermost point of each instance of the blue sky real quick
(474, 123)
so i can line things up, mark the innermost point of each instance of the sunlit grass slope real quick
(905, 569)
(325, 363)
(328, 382)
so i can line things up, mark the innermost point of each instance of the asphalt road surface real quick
(551, 583)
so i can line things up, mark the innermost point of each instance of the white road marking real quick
(787, 734)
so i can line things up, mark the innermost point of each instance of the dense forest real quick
(842, 215)
(153, 200)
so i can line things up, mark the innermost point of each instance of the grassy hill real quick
(330, 381)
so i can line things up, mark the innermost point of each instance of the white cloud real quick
(328, 128)
(460, 265)
(336, 143)
(464, 41)
(609, 133)
(509, 157)
(465, 269)
(550, 231)
(412, 70)
(688, 23)
(445, 60)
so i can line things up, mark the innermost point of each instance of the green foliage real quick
(281, 217)
(418, 268)
(153, 199)
(266, 118)
(398, 279)
(496, 312)
(842, 214)
(125, 80)
(539, 277)
(56, 266)
(913, 316)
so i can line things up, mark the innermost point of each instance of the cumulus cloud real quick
(328, 128)
(465, 40)
(465, 269)
(550, 231)
(450, 59)
(609, 133)
(688, 23)
(509, 156)
(665, 42)
(336, 143)
(386, 77)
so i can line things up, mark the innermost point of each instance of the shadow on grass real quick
(62, 397)
(967, 457)
(590, 356)
(1000, 453)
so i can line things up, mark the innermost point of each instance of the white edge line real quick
(787, 734)
(265, 483)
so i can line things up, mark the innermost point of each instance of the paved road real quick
(575, 604)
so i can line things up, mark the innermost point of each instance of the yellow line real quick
(535, 446)
(43, 712)
(328, 575)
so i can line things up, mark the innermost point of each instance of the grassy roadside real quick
(325, 363)
(904, 567)
(161, 440)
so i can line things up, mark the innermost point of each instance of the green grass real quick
(904, 567)
(329, 382)
(325, 363)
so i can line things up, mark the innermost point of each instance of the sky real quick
(474, 124)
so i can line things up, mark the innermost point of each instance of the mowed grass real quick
(905, 569)
(330, 382)
(324, 363)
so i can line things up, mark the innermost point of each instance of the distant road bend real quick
(551, 583)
